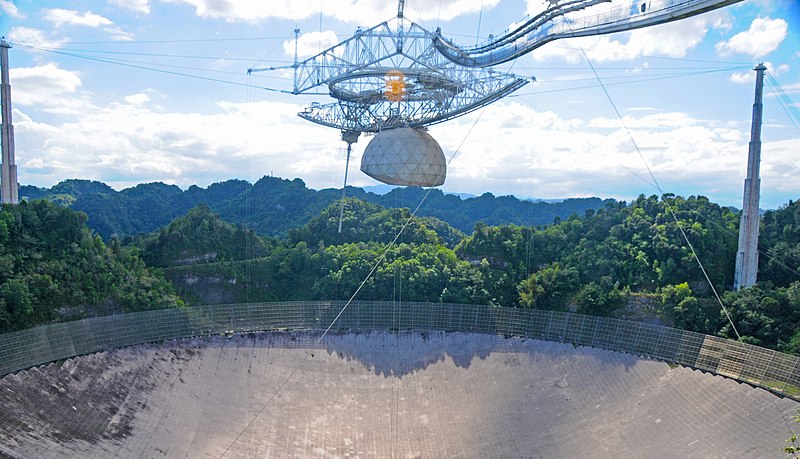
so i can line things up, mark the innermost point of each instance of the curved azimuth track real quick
(573, 18)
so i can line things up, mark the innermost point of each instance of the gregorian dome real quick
(405, 156)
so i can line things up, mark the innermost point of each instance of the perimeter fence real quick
(772, 370)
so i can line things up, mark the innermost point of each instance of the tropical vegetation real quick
(636, 260)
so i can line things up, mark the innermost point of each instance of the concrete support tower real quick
(8, 182)
(747, 255)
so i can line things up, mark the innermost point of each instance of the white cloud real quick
(60, 17)
(309, 44)
(749, 76)
(779, 166)
(513, 149)
(365, 12)
(793, 88)
(33, 37)
(48, 88)
(674, 39)
(655, 121)
(448, 9)
(8, 8)
(137, 99)
(119, 34)
(561, 157)
(763, 37)
(122, 144)
(139, 6)
(742, 77)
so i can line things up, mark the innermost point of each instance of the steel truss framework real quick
(356, 71)
(441, 80)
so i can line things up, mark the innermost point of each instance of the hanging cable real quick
(168, 72)
(128, 53)
(375, 266)
(529, 241)
(655, 56)
(658, 186)
(785, 102)
(149, 42)
(186, 67)
(620, 83)
(788, 106)
(478, 32)
(638, 77)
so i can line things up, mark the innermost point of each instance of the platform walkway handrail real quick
(772, 370)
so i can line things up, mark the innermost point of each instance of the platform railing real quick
(772, 370)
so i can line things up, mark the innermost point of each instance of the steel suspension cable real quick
(663, 194)
(375, 266)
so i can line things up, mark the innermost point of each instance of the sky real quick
(136, 91)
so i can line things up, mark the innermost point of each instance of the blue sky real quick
(133, 91)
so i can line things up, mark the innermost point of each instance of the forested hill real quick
(600, 263)
(52, 268)
(272, 206)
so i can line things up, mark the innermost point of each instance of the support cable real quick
(168, 72)
(529, 243)
(402, 229)
(478, 32)
(150, 42)
(786, 103)
(619, 83)
(658, 186)
(352, 298)
(129, 53)
(762, 252)
(631, 171)
(674, 217)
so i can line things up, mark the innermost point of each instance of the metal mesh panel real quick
(647, 339)
(689, 348)
(588, 330)
(573, 328)
(732, 359)
(516, 321)
(773, 370)
(604, 333)
(556, 327)
(667, 343)
(779, 372)
(758, 360)
(710, 353)
(626, 336)
(538, 324)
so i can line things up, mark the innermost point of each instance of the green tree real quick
(599, 300)
(549, 288)
(365, 222)
(200, 236)
(52, 268)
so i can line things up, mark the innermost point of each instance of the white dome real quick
(405, 156)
